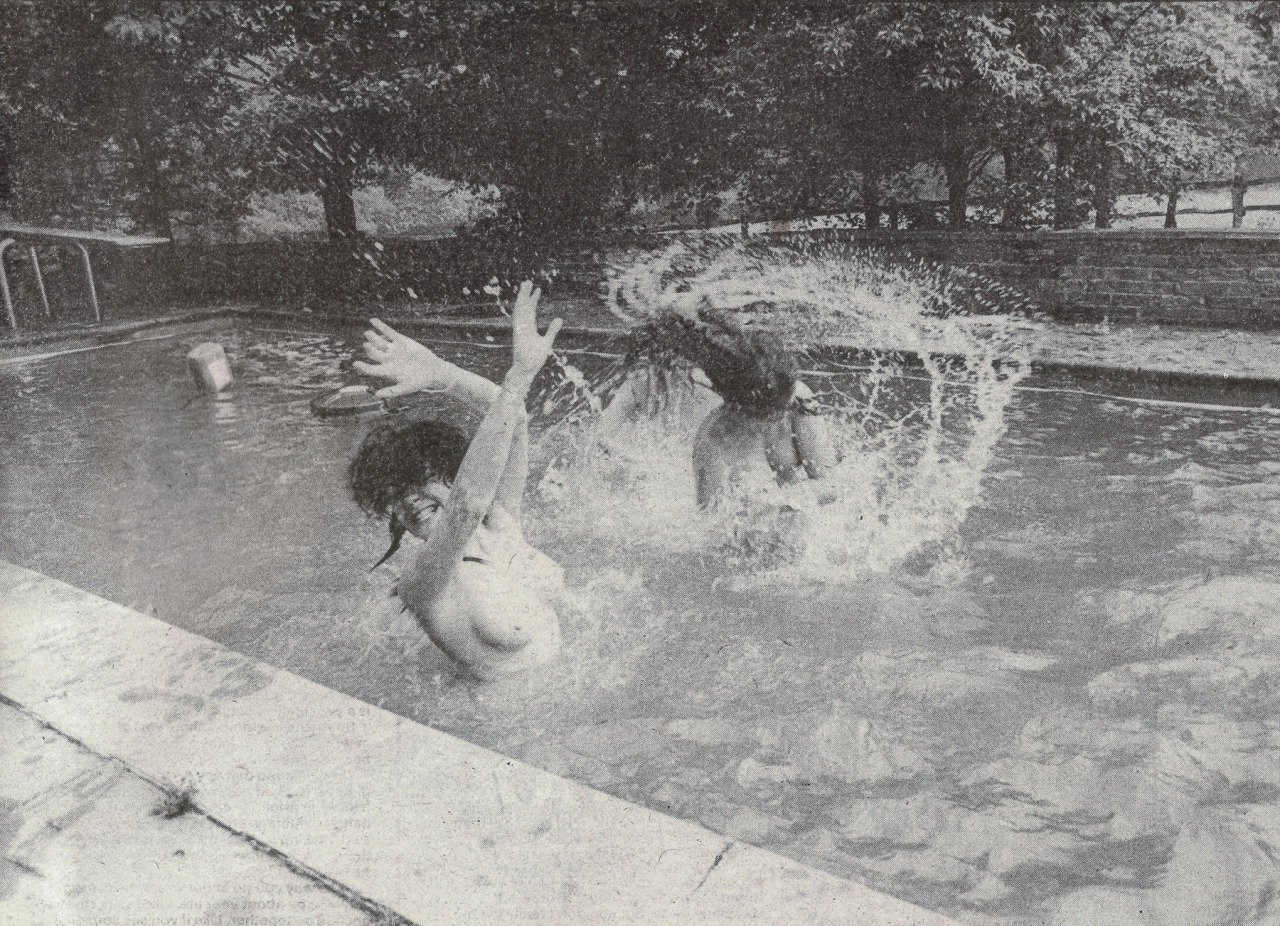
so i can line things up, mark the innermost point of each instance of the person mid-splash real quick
(482, 594)
(768, 428)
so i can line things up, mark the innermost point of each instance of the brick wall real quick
(1227, 279)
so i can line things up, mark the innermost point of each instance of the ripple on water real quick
(1064, 744)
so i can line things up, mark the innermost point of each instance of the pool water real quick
(1064, 711)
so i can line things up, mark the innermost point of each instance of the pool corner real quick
(387, 813)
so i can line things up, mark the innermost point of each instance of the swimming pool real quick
(1070, 710)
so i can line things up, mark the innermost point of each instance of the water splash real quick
(820, 289)
(913, 363)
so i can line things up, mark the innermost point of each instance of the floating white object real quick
(208, 362)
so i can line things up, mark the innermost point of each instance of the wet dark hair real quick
(397, 458)
(754, 370)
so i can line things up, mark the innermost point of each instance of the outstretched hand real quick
(411, 367)
(529, 350)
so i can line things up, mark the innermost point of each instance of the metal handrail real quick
(60, 235)
(4, 285)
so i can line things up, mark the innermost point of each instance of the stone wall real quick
(1203, 278)
(280, 273)
(1226, 279)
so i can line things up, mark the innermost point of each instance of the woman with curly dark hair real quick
(482, 594)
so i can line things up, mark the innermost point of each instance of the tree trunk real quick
(1103, 200)
(707, 212)
(1171, 209)
(6, 170)
(1238, 189)
(811, 191)
(339, 206)
(1063, 195)
(870, 198)
(1012, 214)
(955, 167)
(153, 200)
(957, 203)
(957, 173)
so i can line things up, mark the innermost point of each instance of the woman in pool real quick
(768, 428)
(481, 592)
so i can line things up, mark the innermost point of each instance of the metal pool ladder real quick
(32, 235)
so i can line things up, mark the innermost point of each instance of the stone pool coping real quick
(392, 813)
(1210, 354)
(77, 827)
(1124, 356)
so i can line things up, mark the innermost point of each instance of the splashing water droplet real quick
(907, 360)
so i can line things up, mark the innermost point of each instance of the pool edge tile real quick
(387, 807)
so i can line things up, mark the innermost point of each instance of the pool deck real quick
(79, 828)
(309, 807)
(1212, 353)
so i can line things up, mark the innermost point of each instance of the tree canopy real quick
(159, 113)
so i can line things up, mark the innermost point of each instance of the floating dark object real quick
(349, 400)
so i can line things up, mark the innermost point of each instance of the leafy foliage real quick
(114, 113)
(156, 114)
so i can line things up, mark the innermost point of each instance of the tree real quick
(974, 83)
(847, 96)
(571, 111)
(594, 106)
(575, 111)
(326, 90)
(819, 118)
(1079, 101)
(110, 107)
(1151, 96)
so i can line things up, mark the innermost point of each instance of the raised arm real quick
(478, 478)
(413, 367)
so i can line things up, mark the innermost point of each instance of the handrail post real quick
(93, 290)
(35, 265)
(4, 286)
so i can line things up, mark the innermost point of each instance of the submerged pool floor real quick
(1068, 708)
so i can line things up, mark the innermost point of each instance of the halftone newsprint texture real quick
(889, 535)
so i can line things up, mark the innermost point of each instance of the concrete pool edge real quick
(382, 806)
(1043, 366)
(1046, 368)
(103, 332)
(78, 827)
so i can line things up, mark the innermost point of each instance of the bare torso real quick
(497, 614)
(733, 447)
